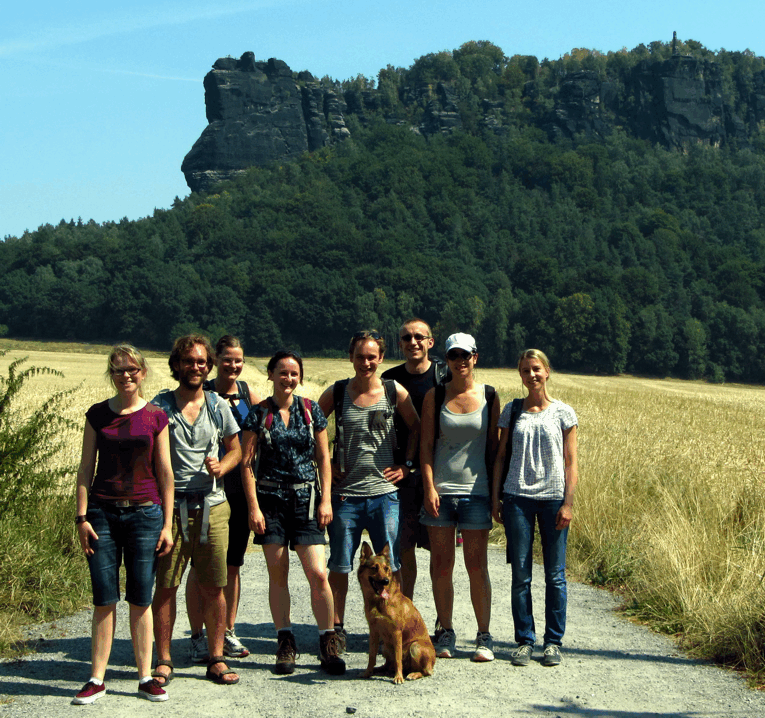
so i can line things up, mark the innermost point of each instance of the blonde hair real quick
(539, 355)
(129, 351)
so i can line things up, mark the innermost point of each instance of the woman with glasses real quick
(124, 511)
(537, 472)
(457, 450)
(364, 472)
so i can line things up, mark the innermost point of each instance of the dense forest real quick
(609, 251)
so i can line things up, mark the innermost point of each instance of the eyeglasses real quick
(194, 362)
(455, 354)
(129, 370)
(366, 335)
(417, 337)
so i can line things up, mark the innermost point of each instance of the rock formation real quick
(259, 112)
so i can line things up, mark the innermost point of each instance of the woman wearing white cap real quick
(457, 450)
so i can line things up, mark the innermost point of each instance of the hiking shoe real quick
(232, 646)
(446, 644)
(521, 656)
(152, 691)
(329, 654)
(89, 694)
(342, 639)
(200, 652)
(484, 648)
(551, 655)
(286, 652)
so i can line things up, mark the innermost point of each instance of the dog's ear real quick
(386, 551)
(366, 551)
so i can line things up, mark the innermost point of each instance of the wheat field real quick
(669, 510)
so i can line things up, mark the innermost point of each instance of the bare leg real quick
(232, 593)
(441, 570)
(339, 584)
(477, 564)
(278, 563)
(194, 603)
(215, 621)
(163, 610)
(104, 622)
(312, 558)
(141, 624)
(408, 571)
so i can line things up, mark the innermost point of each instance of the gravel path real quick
(611, 667)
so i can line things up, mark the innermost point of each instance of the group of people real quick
(419, 453)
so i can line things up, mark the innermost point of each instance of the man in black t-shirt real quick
(418, 375)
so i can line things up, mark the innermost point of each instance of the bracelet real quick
(80, 519)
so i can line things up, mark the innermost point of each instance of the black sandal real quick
(166, 678)
(218, 677)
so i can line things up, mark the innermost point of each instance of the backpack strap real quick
(440, 370)
(439, 402)
(390, 394)
(244, 392)
(338, 397)
(490, 393)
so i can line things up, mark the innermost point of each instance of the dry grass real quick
(669, 508)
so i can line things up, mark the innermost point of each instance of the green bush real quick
(42, 573)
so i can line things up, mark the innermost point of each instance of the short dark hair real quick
(414, 320)
(184, 344)
(285, 354)
(364, 335)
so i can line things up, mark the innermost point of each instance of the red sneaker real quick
(89, 694)
(152, 691)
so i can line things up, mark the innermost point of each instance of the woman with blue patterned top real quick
(288, 434)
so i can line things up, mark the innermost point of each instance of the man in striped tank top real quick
(364, 475)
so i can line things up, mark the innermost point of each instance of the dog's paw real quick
(398, 679)
(367, 673)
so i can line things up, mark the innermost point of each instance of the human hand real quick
(325, 513)
(563, 519)
(165, 542)
(213, 466)
(87, 534)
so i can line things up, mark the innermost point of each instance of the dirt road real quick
(611, 668)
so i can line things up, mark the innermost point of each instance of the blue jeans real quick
(519, 515)
(351, 515)
(133, 532)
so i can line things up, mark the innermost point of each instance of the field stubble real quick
(669, 509)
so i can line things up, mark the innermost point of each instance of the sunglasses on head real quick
(455, 354)
(418, 337)
(366, 335)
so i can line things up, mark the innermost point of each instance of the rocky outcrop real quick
(259, 112)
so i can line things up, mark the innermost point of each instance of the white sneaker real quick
(446, 644)
(232, 646)
(484, 648)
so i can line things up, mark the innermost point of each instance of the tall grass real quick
(669, 511)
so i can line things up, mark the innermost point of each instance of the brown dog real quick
(394, 620)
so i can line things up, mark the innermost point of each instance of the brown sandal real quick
(218, 677)
(166, 678)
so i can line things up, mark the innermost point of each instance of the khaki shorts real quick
(209, 558)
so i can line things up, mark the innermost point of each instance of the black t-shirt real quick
(417, 385)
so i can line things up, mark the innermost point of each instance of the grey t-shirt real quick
(536, 465)
(191, 444)
(459, 466)
(369, 436)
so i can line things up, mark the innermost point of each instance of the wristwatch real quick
(80, 519)
(409, 464)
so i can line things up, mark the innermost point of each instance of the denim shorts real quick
(134, 532)
(287, 519)
(351, 515)
(465, 512)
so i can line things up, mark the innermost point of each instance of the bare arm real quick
(231, 458)
(249, 447)
(408, 413)
(327, 401)
(166, 483)
(431, 500)
(499, 465)
(85, 474)
(566, 511)
(325, 477)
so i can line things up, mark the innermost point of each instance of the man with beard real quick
(199, 422)
(418, 375)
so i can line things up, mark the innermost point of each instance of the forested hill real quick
(609, 250)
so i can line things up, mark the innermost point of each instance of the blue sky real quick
(101, 104)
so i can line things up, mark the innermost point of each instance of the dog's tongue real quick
(384, 594)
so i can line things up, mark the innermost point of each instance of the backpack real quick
(241, 387)
(440, 371)
(338, 396)
(491, 396)
(515, 411)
